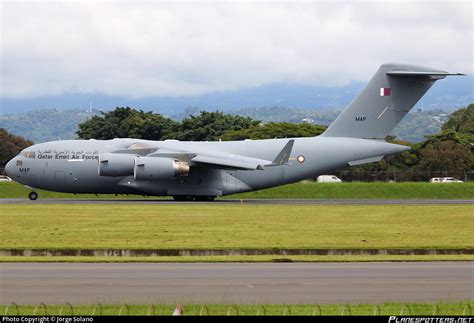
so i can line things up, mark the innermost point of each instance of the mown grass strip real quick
(359, 190)
(236, 226)
(418, 309)
(302, 190)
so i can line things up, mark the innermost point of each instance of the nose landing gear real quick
(33, 196)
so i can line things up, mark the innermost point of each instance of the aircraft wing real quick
(227, 160)
(221, 159)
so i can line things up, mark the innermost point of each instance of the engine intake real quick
(116, 164)
(159, 168)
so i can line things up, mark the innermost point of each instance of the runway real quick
(277, 283)
(25, 201)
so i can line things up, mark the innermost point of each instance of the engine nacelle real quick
(159, 168)
(116, 164)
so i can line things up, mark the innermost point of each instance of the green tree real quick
(126, 123)
(451, 150)
(209, 126)
(275, 130)
(447, 151)
(461, 121)
(10, 146)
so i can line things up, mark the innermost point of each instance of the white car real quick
(436, 180)
(445, 180)
(450, 180)
(328, 179)
(4, 178)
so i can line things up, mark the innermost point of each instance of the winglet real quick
(284, 156)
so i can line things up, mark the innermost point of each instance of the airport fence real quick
(400, 176)
(390, 176)
(67, 309)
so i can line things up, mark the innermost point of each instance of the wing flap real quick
(239, 162)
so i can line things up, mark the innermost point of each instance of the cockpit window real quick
(28, 154)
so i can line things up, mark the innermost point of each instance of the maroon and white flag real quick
(384, 91)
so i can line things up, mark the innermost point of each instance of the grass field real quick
(419, 309)
(303, 190)
(236, 226)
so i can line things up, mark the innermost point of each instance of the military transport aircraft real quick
(205, 170)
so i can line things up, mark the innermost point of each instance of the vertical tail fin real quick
(388, 97)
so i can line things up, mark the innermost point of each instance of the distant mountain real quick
(52, 124)
(453, 92)
(45, 124)
(292, 115)
(414, 127)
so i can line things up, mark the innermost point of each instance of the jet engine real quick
(159, 168)
(116, 164)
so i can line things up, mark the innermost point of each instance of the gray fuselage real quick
(72, 165)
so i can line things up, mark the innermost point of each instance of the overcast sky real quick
(141, 49)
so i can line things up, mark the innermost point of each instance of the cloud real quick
(141, 49)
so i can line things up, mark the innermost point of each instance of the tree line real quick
(451, 150)
(206, 126)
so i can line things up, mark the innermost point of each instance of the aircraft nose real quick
(10, 168)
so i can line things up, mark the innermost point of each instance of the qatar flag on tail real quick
(384, 91)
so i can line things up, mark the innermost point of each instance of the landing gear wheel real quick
(33, 196)
(182, 198)
(204, 198)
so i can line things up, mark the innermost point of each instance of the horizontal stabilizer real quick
(437, 74)
(365, 161)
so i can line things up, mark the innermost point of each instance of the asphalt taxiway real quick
(250, 201)
(284, 283)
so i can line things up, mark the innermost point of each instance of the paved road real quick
(243, 283)
(228, 201)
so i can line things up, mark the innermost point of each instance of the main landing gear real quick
(193, 198)
(33, 196)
